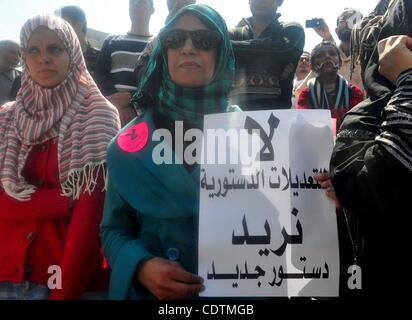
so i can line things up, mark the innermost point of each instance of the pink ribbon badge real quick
(135, 138)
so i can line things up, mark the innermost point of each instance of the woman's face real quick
(188, 65)
(47, 59)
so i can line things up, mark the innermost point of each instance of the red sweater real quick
(42, 232)
(356, 96)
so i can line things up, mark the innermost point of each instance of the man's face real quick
(343, 31)
(326, 60)
(9, 56)
(304, 64)
(175, 5)
(140, 9)
(262, 8)
(346, 23)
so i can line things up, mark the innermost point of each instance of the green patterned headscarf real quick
(186, 103)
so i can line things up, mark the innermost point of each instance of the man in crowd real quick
(302, 71)
(77, 19)
(118, 59)
(9, 76)
(175, 5)
(346, 21)
(329, 90)
(267, 52)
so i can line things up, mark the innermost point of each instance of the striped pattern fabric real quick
(191, 104)
(124, 52)
(396, 134)
(75, 112)
(320, 99)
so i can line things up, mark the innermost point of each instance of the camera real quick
(313, 23)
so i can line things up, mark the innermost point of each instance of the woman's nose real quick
(188, 47)
(45, 57)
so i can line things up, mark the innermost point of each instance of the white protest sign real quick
(267, 228)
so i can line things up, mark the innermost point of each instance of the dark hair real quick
(4, 43)
(74, 14)
(320, 45)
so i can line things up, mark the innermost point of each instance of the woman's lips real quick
(189, 64)
(46, 73)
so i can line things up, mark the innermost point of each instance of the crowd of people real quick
(79, 188)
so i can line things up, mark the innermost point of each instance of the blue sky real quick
(111, 16)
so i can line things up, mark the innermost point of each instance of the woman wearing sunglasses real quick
(149, 228)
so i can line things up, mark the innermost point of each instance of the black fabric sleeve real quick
(367, 179)
(295, 36)
(103, 67)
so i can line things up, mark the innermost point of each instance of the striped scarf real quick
(396, 136)
(319, 96)
(191, 104)
(74, 112)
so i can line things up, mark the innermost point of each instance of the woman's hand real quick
(326, 183)
(395, 56)
(167, 280)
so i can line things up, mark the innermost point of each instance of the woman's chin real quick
(48, 84)
(191, 82)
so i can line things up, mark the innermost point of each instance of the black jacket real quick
(372, 185)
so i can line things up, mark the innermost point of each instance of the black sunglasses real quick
(205, 40)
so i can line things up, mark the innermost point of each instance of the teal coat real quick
(150, 210)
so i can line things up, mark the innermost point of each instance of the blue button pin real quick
(173, 254)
